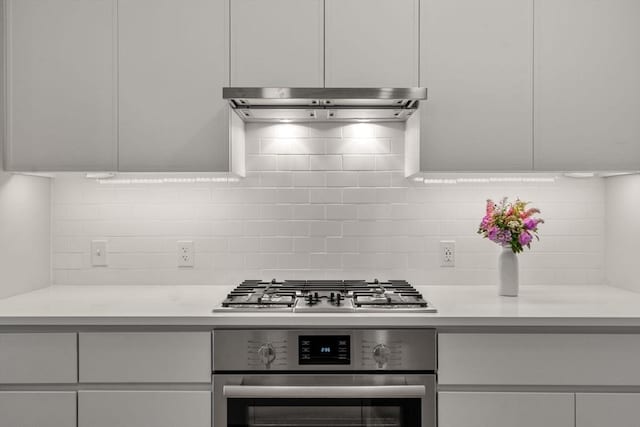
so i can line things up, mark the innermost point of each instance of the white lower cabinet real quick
(38, 358)
(38, 409)
(481, 409)
(607, 409)
(115, 408)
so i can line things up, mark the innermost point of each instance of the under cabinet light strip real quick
(488, 180)
(198, 180)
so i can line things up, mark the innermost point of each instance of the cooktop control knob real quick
(381, 355)
(267, 355)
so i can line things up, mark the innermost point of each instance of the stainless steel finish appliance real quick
(334, 377)
(324, 104)
(326, 296)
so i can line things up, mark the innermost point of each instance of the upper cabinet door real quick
(372, 43)
(476, 61)
(277, 43)
(587, 90)
(173, 65)
(60, 85)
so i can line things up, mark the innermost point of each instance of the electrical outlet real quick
(99, 253)
(447, 253)
(186, 253)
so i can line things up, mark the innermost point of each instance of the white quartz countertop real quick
(191, 306)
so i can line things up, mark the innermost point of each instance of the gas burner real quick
(325, 296)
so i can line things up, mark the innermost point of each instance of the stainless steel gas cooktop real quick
(326, 296)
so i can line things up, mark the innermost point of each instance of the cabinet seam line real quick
(533, 84)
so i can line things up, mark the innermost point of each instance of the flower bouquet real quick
(510, 224)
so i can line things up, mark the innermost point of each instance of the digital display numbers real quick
(324, 350)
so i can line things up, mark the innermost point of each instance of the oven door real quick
(294, 400)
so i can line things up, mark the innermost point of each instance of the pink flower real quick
(524, 238)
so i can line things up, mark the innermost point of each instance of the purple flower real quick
(504, 237)
(524, 238)
(530, 223)
(492, 234)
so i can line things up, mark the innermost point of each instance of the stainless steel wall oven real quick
(335, 377)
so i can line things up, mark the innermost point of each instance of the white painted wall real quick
(623, 231)
(25, 233)
(321, 201)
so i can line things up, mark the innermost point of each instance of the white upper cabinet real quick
(372, 43)
(277, 43)
(476, 61)
(587, 89)
(172, 67)
(60, 85)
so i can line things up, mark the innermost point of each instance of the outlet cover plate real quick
(186, 253)
(99, 253)
(447, 253)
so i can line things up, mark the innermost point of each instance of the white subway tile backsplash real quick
(325, 228)
(292, 195)
(291, 162)
(342, 244)
(389, 162)
(319, 201)
(326, 130)
(310, 179)
(359, 162)
(325, 162)
(374, 179)
(261, 162)
(309, 244)
(342, 179)
(275, 179)
(341, 211)
(360, 146)
(325, 195)
(302, 212)
(274, 244)
(359, 195)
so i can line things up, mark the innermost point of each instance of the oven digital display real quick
(324, 350)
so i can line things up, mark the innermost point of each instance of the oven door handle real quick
(323, 392)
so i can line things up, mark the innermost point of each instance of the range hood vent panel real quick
(324, 104)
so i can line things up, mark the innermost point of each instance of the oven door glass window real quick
(323, 412)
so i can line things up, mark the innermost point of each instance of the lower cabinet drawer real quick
(38, 358)
(144, 408)
(607, 409)
(145, 357)
(462, 409)
(539, 359)
(37, 409)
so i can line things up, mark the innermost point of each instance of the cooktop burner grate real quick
(325, 296)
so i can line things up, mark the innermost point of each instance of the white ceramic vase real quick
(508, 271)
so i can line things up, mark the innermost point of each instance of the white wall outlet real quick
(186, 253)
(447, 253)
(99, 253)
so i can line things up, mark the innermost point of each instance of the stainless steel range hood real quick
(259, 104)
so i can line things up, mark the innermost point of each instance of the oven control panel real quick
(324, 349)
